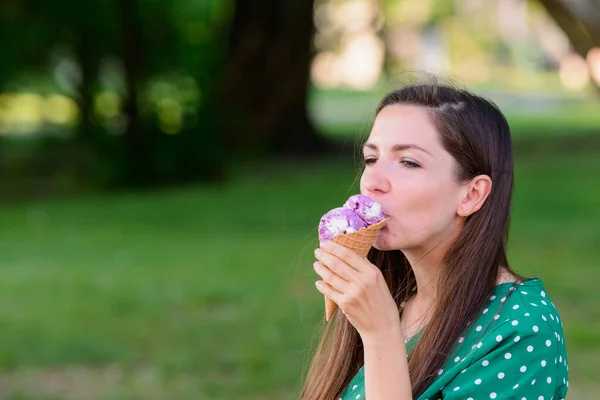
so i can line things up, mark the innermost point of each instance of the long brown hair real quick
(474, 131)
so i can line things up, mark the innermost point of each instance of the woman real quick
(435, 310)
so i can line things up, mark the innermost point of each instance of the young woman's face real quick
(412, 176)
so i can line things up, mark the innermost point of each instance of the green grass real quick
(207, 292)
(349, 114)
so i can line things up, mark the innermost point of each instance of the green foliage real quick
(178, 44)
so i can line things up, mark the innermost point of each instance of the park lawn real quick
(206, 292)
(348, 115)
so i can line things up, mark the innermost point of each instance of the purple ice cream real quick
(337, 221)
(366, 208)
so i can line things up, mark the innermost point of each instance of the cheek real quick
(421, 210)
(421, 198)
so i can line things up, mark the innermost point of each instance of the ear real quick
(474, 194)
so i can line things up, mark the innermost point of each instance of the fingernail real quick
(319, 285)
(317, 252)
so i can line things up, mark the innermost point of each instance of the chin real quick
(382, 244)
(387, 242)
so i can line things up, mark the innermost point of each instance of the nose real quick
(374, 181)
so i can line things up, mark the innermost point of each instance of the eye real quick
(410, 164)
(369, 161)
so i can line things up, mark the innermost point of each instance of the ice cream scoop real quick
(337, 221)
(366, 208)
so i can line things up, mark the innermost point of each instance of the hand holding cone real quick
(354, 226)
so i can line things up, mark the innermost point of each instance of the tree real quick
(263, 91)
(580, 21)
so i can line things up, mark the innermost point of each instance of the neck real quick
(427, 264)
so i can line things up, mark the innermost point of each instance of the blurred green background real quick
(163, 167)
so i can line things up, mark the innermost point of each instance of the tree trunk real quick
(138, 168)
(263, 92)
(88, 60)
(580, 21)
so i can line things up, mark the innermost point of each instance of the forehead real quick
(404, 124)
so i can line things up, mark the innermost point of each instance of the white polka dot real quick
(533, 382)
(499, 338)
(560, 359)
(516, 386)
(524, 292)
(549, 380)
(503, 299)
(485, 363)
(552, 316)
(493, 298)
(456, 389)
(354, 387)
(516, 339)
(479, 345)
(463, 371)
(501, 375)
(496, 316)
(548, 343)
(523, 368)
(461, 339)
(543, 302)
(544, 318)
(441, 371)
(533, 304)
(357, 396)
(530, 348)
(543, 363)
(478, 328)
(543, 293)
(477, 381)
(541, 398)
(535, 328)
(486, 310)
(492, 395)
(508, 356)
(515, 306)
(527, 314)
(457, 359)
(514, 323)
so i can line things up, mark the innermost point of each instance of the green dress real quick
(514, 350)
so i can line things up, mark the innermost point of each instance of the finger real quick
(346, 255)
(330, 277)
(336, 265)
(328, 291)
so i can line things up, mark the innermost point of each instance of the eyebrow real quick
(398, 147)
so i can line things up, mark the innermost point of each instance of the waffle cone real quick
(359, 242)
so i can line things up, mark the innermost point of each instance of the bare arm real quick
(361, 292)
(386, 367)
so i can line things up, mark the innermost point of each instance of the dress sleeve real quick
(521, 359)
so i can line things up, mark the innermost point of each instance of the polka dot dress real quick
(514, 350)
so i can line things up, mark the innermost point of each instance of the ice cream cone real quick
(359, 242)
